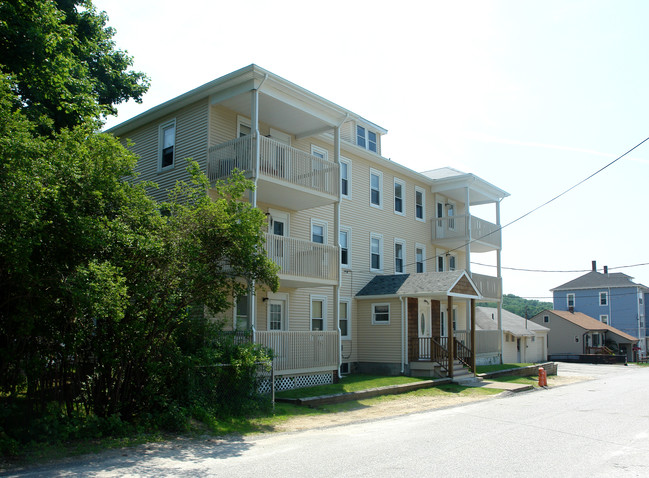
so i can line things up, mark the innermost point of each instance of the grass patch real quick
(350, 383)
(502, 366)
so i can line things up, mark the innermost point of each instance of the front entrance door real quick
(278, 248)
(424, 329)
(276, 314)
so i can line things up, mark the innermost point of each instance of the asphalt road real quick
(593, 428)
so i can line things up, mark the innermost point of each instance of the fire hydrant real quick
(543, 377)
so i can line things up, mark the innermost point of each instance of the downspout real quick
(337, 241)
(403, 335)
(254, 120)
(500, 283)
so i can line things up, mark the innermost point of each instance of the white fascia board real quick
(474, 183)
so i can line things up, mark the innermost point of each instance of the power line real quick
(520, 269)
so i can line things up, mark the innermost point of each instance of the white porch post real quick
(467, 202)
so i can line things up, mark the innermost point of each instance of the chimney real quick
(605, 270)
(594, 266)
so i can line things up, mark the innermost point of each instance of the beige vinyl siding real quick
(378, 343)
(190, 142)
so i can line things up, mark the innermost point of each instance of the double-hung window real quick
(420, 198)
(380, 313)
(376, 188)
(603, 298)
(345, 179)
(344, 319)
(570, 299)
(376, 252)
(167, 145)
(452, 262)
(318, 312)
(345, 258)
(399, 201)
(318, 232)
(366, 139)
(420, 255)
(440, 263)
(399, 253)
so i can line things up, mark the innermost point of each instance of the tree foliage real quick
(64, 63)
(522, 307)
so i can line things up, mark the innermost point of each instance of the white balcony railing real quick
(295, 352)
(490, 287)
(302, 258)
(457, 227)
(277, 161)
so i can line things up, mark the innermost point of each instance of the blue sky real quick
(531, 96)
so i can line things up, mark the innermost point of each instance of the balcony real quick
(300, 352)
(288, 177)
(455, 232)
(303, 263)
(490, 287)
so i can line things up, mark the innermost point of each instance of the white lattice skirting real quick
(297, 381)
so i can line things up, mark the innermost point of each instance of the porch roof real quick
(427, 284)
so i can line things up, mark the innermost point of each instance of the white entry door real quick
(276, 314)
(424, 329)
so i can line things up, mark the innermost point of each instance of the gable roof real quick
(486, 318)
(587, 322)
(594, 279)
(426, 284)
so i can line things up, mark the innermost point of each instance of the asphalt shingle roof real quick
(412, 284)
(512, 323)
(587, 322)
(594, 279)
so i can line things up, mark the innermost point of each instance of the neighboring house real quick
(339, 216)
(575, 333)
(612, 298)
(524, 341)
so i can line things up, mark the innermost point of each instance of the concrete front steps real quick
(461, 375)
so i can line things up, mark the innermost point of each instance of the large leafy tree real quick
(64, 63)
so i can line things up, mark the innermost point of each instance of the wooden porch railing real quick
(297, 352)
(462, 353)
(303, 258)
(429, 349)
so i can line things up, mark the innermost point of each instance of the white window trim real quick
(349, 178)
(423, 204)
(602, 317)
(242, 120)
(322, 298)
(281, 215)
(347, 230)
(380, 176)
(348, 301)
(402, 183)
(423, 256)
(600, 298)
(381, 322)
(440, 255)
(366, 137)
(574, 301)
(448, 261)
(320, 150)
(324, 224)
(278, 296)
(161, 129)
(402, 242)
(381, 255)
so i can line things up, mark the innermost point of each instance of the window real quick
(603, 319)
(450, 212)
(380, 313)
(440, 263)
(318, 232)
(319, 152)
(366, 139)
(603, 298)
(420, 255)
(345, 180)
(546, 318)
(570, 298)
(244, 127)
(419, 204)
(318, 312)
(399, 246)
(376, 188)
(376, 252)
(167, 145)
(344, 319)
(345, 259)
(242, 313)
(452, 262)
(399, 207)
(455, 320)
